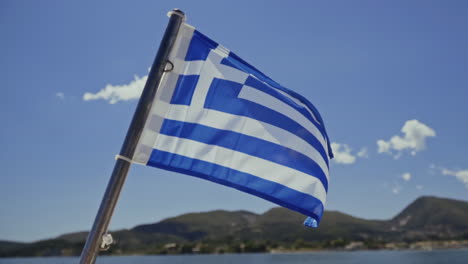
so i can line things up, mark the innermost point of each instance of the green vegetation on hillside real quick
(426, 219)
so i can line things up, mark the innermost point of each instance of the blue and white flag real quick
(218, 118)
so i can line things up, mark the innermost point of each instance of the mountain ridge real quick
(426, 218)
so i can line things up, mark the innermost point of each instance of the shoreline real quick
(248, 253)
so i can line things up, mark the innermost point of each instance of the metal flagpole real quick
(121, 168)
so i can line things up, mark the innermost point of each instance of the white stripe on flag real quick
(247, 126)
(192, 67)
(261, 168)
(261, 98)
(298, 103)
(232, 74)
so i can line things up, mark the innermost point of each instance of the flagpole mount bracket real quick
(106, 242)
(170, 68)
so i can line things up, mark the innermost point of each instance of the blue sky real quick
(368, 66)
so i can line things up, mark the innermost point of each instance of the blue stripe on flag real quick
(184, 89)
(268, 190)
(245, 144)
(200, 47)
(222, 96)
(236, 62)
(257, 84)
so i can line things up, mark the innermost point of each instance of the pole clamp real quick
(106, 242)
(123, 158)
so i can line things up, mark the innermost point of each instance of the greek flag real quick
(218, 118)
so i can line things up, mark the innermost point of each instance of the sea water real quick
(459, 256)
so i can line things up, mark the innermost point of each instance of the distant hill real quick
(431, 217)
(9, 246)
(195, 226)
(427, 218)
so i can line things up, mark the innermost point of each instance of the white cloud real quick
(406, 176)
(342, 153)
(413, 140)
(363, 153)
(116, 93)
(60, 95)
(461, 175)
(383, 146)
(419, 187)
